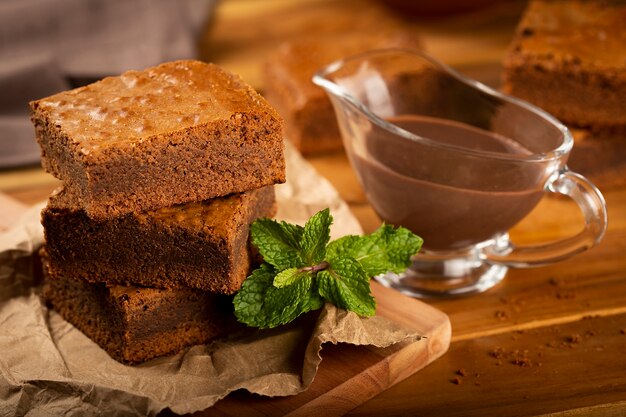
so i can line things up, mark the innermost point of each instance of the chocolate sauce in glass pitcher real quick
(451, 200)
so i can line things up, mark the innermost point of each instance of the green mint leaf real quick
(277, 242)
(387, 249)
(315, 237)
(288, 277)
(302, 270)
(260, 304)
(347, 285)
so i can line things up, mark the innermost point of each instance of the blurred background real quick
(48, 46)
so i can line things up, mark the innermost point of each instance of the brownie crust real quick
(567, 58)
(202, 245)
(135, 324)
(179, 132)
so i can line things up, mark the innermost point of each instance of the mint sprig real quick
(302, 270)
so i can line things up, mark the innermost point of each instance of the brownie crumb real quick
(461, 372)
(573, 339)
(555, 282)
(501, 315)
(456, 380)
(516, 357)
(497, 353)
(565, 295)
(523, 362)
(622, 331)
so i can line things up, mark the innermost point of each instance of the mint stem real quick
(315, 268)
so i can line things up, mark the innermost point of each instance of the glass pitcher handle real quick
(591, 203)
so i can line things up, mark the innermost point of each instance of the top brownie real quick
(179, 132)
(568, 56)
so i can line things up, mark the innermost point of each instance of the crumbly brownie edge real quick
(264, 206)
(86, 308)
(57, 151)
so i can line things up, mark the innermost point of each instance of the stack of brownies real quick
(163, 171)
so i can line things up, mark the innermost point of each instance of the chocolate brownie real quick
(600, 156)
(201, 245)
(568, 58)
(179, 132)
(135, 324)
(310, 121)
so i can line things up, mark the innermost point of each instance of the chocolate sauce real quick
(450, 198)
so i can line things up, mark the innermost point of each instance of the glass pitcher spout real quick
(381, 84)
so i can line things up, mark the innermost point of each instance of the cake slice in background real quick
(569, 58)
(310, 121)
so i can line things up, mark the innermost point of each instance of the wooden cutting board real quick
(350, 375)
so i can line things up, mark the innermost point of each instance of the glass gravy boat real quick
(456, 162)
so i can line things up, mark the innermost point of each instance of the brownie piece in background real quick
(179, 132)
(135, 324)
(601, 157)
(310, 121)
(202, 245)
(569, 58)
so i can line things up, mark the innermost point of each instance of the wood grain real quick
(577, 366)
(351, 375)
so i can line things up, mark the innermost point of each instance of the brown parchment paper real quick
(48, 368)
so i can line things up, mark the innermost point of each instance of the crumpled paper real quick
(47, 367)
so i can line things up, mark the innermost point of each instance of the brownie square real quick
(202, 245)
(179, 132)
(310, 121)
(600, 156)
(135, 324)
(567, 57)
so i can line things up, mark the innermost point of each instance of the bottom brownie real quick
(135, 324)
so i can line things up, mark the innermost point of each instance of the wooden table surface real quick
(546, 341)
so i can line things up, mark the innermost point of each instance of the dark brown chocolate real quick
(135, 324)
(201, 245)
